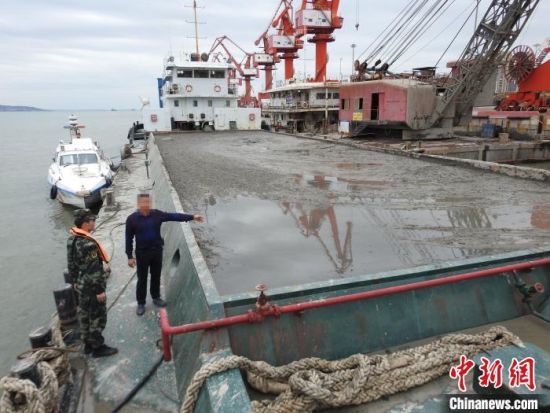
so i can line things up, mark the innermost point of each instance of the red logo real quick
(491, 373)
(459, 372)
(520, 372)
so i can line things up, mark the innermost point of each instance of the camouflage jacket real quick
(85, 265)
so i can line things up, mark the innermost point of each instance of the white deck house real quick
(198, 94)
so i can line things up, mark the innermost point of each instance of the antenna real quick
(196, 23)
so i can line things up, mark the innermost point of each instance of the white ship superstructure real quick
(196, 93)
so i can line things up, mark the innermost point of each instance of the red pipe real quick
(274, 310)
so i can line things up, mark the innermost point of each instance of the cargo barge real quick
(211, 273)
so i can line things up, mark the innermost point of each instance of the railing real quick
(332, 104)
(265, 309)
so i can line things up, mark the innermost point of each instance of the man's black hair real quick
(143, 196)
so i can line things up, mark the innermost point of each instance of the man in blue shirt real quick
(144, 226)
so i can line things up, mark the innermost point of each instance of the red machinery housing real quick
(532, 77)
(320, 18)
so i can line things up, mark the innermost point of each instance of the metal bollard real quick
(110, 198)
(66, 276)
(41, 337)
(26, 369)
(65, 303)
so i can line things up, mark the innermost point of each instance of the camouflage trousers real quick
(92, 317)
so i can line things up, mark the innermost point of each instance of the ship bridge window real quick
(185, 73)
(77, 159)
(321, 96)
(335, 95)
(200, 74)
(217, 74)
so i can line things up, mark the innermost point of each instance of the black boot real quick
(88, 349)
(104, 351)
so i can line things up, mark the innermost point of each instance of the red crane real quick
(244, 67)
(320, 18)
(283, 44)
(267, 61)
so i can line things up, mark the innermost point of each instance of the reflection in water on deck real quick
(284, 243)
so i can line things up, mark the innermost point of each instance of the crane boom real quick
(493, 38)
(244, 67)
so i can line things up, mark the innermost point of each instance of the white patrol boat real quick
(79, 171)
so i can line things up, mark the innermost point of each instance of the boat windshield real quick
(77, 158)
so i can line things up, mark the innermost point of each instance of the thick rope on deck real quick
(22, 396)
(312, 383)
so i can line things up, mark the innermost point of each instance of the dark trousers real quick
(93, 317)
(148, 260)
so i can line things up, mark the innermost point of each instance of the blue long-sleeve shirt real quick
(146, 229)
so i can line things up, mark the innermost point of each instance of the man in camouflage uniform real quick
(88, 264)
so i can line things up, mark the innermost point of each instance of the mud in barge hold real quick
(289, 211)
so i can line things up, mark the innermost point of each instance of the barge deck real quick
(288, 211)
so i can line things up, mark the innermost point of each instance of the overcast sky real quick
(69, 54)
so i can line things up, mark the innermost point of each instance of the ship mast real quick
(195, 21)
(196, 26)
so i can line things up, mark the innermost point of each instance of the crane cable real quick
(446, 28)
(435, 17)
(415, 23)
(391, 38)
(396, 20)
(458, 32)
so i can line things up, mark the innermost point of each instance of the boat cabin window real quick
(77, 159)
(176, 103)
(185, 73)
(321, 96)
(217, 74)
(201, 73)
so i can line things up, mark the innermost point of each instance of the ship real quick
(79, 172)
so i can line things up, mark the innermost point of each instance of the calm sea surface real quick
(33, 227)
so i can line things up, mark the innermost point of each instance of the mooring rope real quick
(53, 366)
(312, 383)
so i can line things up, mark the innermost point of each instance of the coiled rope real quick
(312, 383)
(52, 363)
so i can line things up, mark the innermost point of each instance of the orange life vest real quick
(85, 234)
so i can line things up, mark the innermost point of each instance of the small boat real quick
(80, 171)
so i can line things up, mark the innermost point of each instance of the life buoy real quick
(153, 117)
(305, 105)
(53, 192)
(188, 88)
(217, 88)
(252, 117)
